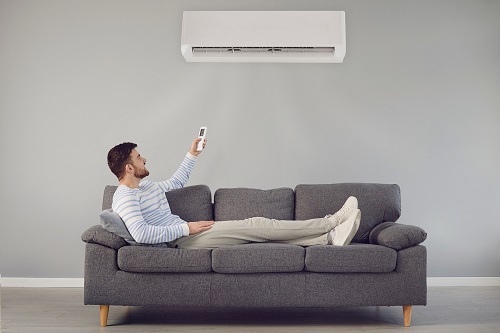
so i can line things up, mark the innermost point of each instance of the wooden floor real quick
(449, 309)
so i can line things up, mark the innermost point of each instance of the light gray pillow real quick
(112, 222)
(397, 236)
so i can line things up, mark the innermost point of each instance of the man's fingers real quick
(208, 222)
(199, 226)
(206, 225)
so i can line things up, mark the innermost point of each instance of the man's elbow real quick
(141, 238)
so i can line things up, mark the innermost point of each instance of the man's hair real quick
(119, 157)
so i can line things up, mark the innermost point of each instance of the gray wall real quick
(416, 102)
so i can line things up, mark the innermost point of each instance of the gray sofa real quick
(384, 266)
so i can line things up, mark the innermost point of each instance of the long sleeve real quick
(146, 212)
(181, 176)
(127, 204)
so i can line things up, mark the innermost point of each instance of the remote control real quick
(201, 135)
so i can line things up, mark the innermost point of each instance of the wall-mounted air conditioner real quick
(263, 36)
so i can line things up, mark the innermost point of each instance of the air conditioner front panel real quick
(207, 35)
(262, 28)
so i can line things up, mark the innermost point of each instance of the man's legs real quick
(260, 229)
(323, 239)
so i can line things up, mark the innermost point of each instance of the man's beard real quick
(141, 173)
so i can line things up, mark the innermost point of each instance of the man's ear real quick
(128, 168)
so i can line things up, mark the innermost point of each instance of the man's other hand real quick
(196, 227)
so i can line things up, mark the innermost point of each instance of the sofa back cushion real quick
(378, 203)
(243, 203)
(191, 203)
(107, 197)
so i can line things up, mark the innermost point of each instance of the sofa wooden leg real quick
(407, 314)
(104, 310)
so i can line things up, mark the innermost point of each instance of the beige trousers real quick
(259, 229)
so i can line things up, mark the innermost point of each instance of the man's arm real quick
(181, 176)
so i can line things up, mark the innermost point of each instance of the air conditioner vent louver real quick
(274, 36)
(263, 51)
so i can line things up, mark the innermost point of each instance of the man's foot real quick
(344, 233)
(343, 214)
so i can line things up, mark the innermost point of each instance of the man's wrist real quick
(191, 156)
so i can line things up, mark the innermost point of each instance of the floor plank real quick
(449, 309)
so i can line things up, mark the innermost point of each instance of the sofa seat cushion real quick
(258, 258)
(354, 258)
(156, 259)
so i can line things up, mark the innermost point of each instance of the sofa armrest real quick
(397, 236)
(98, 235)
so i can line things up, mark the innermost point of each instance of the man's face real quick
(139, 164)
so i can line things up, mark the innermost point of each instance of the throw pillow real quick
(397, 236)
(112, 222)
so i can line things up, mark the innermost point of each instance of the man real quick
(144, 208)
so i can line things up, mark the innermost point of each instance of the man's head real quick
(124, 158)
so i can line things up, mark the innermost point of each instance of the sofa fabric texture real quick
(384, 266)
(98, 235)
(192, 203)
(397, 236)
(378, 203)
(242, 203)
(356, 258)
(149, 259)
(258, 258)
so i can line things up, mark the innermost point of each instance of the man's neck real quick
(131, 183)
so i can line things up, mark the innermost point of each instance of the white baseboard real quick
(42, 282)
(463, 281)
(78, 282)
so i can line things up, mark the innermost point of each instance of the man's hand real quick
(194, 145)
(196, 227)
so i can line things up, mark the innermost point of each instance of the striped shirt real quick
(145, 210)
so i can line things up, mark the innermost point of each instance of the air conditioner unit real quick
(264, 36)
